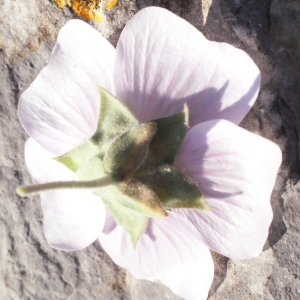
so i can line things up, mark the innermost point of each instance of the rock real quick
(285, 28)
(284, 282)
(29, 269)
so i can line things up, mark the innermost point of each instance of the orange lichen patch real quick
(98, 15)
(110, 4)
(62, 3)
(88, 9)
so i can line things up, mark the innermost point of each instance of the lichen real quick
(88, 9)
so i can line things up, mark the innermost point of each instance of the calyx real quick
(136, 162)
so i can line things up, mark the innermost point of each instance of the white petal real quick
(73, 219)
(162, 62)
(169, 252)
(236, 171)
(61, 107)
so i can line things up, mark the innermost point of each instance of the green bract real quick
(138, 161)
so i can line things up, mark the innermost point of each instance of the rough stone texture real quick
(29, 269)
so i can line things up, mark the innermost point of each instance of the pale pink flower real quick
(160, 62)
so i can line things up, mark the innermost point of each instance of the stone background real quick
(269, 30)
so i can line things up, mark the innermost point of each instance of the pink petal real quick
(162, 61)
(236, 171)
(61, 107)
(169, 252)
(73, 219)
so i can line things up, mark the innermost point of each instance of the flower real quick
(160, 62)
(88, 9)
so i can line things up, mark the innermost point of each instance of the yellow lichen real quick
(98, 15)
(88, 9)
(110, 4)
(62, 3)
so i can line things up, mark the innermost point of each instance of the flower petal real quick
(162, 62)
(73, 219)
(168, 252)
(60, 108)
(236, 171)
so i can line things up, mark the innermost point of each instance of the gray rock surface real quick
(29, 269)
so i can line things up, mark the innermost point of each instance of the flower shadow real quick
(206, 96)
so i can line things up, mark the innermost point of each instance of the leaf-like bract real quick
(128, 151)
(173, 189)
(114, 119)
